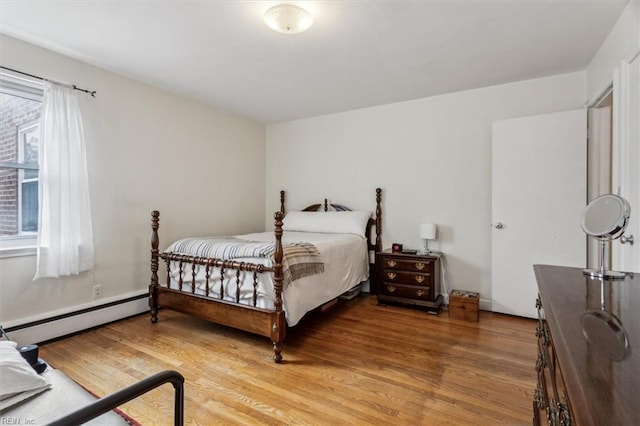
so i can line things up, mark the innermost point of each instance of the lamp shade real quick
(428, 231)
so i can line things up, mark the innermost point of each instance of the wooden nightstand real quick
(412, 279)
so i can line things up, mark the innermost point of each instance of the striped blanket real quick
(299, 260)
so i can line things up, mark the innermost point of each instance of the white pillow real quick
(16, 373)
(349, 222)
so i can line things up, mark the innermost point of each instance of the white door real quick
(626, 164)
(538, 194)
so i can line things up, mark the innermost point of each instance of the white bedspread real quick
(346, 261)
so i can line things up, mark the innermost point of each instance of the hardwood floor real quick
(359, 363)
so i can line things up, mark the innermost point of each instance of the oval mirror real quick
(605, 218)
(606, 333)
(601, 327)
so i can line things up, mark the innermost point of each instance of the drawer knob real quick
(420, 293)
(392, 263)
(419, 278)
(420, 266)
(391, 275)
(538, 398)
(541, 362)
(565, 412)
(542, 335)
(546, 337)
(391, 288)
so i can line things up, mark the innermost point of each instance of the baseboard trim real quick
(484, 304)
(56, 326)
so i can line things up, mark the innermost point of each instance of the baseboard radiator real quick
(58, 325)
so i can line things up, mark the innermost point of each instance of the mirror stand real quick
(605, 218)
(601, 273)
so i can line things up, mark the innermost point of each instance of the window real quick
(28, 138)
(20, 109)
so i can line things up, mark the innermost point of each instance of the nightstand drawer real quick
(404, 277)
(406, 291)
(409, 278)
(424, 266)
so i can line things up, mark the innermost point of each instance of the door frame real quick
(626, 158)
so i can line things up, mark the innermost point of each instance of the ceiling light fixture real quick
(288, 19)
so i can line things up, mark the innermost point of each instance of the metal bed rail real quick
(122, 396)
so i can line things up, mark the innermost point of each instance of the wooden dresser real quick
(588, 361)
(412, 279)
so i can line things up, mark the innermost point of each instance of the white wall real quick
(147, 149)
(431, 156)
(622, 41)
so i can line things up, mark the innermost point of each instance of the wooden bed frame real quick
(265, 322)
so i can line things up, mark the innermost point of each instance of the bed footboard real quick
(153, 285)
(266, 322)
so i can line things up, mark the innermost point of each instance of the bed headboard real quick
(374, 243)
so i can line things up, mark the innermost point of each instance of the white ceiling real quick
(357, 53)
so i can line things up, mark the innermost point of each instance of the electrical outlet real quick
(97, 291)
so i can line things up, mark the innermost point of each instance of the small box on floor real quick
(464, 305)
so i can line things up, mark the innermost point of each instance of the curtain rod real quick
(72, 86)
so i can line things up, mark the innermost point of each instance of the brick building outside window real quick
(20, 109)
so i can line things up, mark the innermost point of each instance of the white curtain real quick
(65, 239)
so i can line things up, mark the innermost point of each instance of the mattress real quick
(346, 264)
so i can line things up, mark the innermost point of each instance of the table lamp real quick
(427, 232)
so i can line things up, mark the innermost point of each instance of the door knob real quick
(625, 240)
(499, 225)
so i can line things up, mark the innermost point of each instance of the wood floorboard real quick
(358, 363)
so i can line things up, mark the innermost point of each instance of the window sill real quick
(18, 252)
(18, 246)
